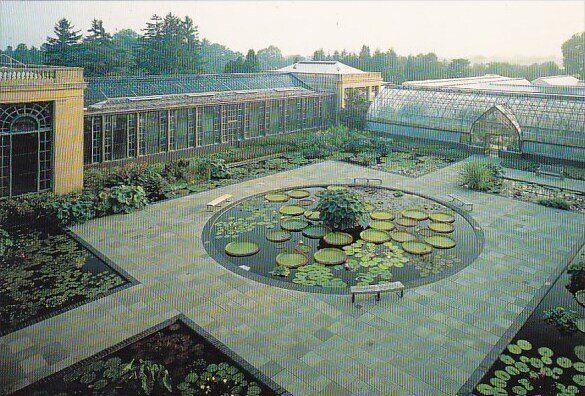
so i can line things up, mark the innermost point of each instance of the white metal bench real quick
(455, 198)
(378, 289)
(218, 201)
(550, 170)
(366, 180)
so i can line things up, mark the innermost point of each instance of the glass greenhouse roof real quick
(545, 118)
(104, 88)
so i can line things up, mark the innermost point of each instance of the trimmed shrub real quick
(342, 209)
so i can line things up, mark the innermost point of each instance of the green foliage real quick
(365, 158)
(123, 199)
(5, 241)
(179, 170)
(73, 210)
(218, 379)
(153, 377)
(342, 209)
(354, 114)
(480, 176)
(562, 318)
(573, 55)
(27, 209)
(555, 202)
(212, 168)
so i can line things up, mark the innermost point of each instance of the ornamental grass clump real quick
(342, 209)
(481, 176)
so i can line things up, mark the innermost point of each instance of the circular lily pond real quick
(279, 238)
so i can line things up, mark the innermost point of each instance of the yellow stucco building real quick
(41, 129)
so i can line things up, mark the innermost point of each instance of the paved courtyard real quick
(428, 343)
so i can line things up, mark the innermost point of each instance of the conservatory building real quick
(489, 113)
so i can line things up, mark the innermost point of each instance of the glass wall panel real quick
(210, 132)
(119, 137)
(256, 126)
(183, 127)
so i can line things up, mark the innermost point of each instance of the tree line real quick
(171, 45)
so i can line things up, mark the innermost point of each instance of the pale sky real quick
(449, 29)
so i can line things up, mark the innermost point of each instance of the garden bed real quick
(46, 271)
(547, 196)
(547, 355)
(170, 359)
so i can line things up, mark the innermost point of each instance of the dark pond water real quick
(253, 218)
(47, 271)
(178, 349)
(542, 334)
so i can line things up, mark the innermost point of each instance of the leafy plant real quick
(75, 211)
(212, 168)
(5, 241)
(555, 202)
(124, 199)
(151, 376)
(342, 209)
(365, 158)
(562, 318)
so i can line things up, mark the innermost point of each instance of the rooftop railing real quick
(36, 75)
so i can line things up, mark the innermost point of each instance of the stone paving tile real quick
(427, 343)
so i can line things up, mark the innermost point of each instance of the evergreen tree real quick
(574, 55)
(62, 49)
(251, 64)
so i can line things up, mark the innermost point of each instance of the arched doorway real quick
(25, 148)
(496, 130)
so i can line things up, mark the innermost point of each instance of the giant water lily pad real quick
(443, 228)
(298, 194)
(440, 242)
(291, 210)
(336, 188)
(305, 202)
(382, 215)
(338, 238)
(580, 352)
(241, 249)
(276, 197)
(294, 224)
(330, 256)
(278, 236)
(406, 222)
(382, 225)
(374, 236)
(414, 214)
(402, 236)
(442, 217)
(313, 215)
(316, 231)
(292, 259)
(414, 247)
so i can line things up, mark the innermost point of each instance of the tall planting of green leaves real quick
(342, 209)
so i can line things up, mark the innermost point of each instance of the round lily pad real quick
(291, 259)
(414, 214)
(524, 345)
(440, 242)
(544, 351)
(425, 232)
(330, 256)
(580, 323)
(442, 217)
(374, 236)
(336, 188)
(564, 362)
(515, 349)
(507, 359)
(402, 236)
(580, 297)
(579, 379)
(312, 215)
(241, 249)
(303, 248)
(305, 202)
(580, 352)
(443, 228)
(485, 389)
(294, 224)
(298, 194)
(278, 236)
(382, 225)
(315, 231)
(369, 207)
(338, 238)
(276, 197)
(291, 210)
(382, 215)
(414, 247)
(501, 374)
(406, 222)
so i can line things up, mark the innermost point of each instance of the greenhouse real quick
(188, 112)
(488, 113)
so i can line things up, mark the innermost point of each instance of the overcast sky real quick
(450, 29)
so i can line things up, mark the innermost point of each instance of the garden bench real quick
(455, 198)
(378, 289)
(367, 180)
(550, 170)
(218, 201)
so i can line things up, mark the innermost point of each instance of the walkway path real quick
(428, 343)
